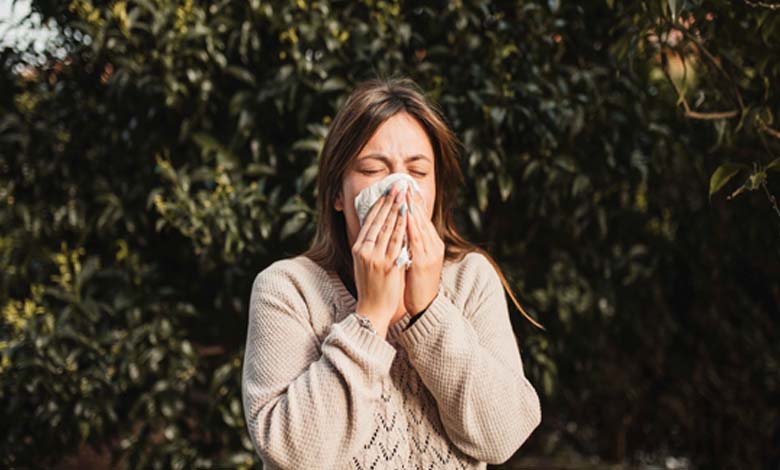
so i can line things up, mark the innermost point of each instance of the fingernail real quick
(402, 210)
(387, 191)
(411, 211)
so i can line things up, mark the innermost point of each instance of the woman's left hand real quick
(426, 250)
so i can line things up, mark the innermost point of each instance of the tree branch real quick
(762, 126)
(711, 58)
(758, 4)
(771, 198)
(688, 112)
(712, 116)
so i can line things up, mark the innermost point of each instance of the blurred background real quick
(621, 161)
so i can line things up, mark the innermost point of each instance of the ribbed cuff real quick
(377, 351)
(429, 322)
(397, 327)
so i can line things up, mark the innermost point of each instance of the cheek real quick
(349, 209)
(350, 214)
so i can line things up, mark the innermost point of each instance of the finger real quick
(368, 221)
(424, 223)
(418, 202)
(416, 242)
(377, 222)
(397, 237)
(369, 218)
(374, 209)
(411, 216)
(387, 229)
(421, 223)
(426, 229)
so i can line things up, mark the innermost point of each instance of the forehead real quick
(399, 136)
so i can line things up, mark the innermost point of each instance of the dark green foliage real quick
(148, 177)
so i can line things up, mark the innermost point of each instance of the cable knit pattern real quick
(320, 391)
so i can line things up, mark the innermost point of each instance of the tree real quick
(149, 175)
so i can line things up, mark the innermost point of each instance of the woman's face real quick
(399, 145)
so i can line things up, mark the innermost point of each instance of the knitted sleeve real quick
(470, 361)
(307, 405)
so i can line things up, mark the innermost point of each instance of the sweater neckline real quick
(348, 303)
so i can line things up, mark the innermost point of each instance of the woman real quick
(354, 363)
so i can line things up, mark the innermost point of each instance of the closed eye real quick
(371, 172)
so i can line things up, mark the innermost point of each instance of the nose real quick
(399, 167)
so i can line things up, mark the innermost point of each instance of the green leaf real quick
(293, 225)
(333, 84)
(313, 145)
(241, 73)
(475, 217)
(774, 165)
(756, 180)
(673, 9)
(723, 175)
(209, 143)
(505, 185)
(482, 194)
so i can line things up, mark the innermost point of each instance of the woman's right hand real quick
(377, 279)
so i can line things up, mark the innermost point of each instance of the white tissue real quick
(368, 196)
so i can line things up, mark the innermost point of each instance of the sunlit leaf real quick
(723, 175)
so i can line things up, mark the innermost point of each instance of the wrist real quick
(424, 309)
(371, 323)
(376, 315)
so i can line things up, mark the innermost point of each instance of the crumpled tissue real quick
(368, 196)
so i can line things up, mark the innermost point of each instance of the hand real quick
(426, 249)
(378, 281)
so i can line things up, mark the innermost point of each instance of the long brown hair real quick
(367, 107)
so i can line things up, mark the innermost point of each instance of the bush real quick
(149, 175)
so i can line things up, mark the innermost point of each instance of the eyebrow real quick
(385, 158)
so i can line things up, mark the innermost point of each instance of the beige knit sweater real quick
(322, 392)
